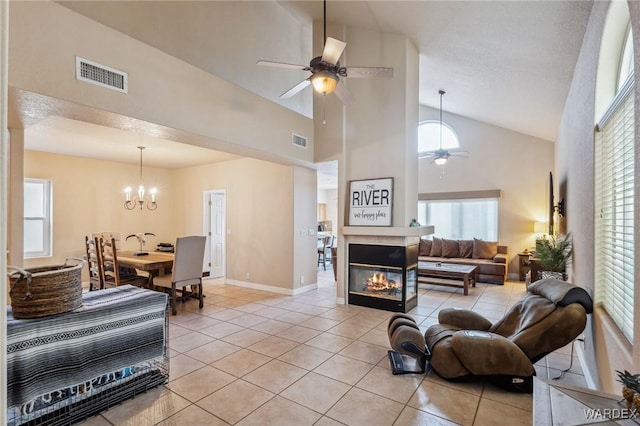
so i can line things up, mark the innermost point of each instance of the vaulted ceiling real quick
(507, 63)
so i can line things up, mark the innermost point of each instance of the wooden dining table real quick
(157, 263)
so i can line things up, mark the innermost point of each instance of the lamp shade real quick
(440, 161)
(324, 82)
(540, 228)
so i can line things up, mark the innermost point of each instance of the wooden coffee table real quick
(447, 274)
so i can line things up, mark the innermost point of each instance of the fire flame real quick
(378, 281)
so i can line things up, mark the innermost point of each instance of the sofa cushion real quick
(450, 248)
(500, 258)
(436, 247)
(484, 249)
(465, 247)
(424, 249)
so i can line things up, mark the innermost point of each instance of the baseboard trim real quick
(272, 289)
(580, 352)
(513, 277)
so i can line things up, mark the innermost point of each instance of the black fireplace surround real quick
(383, 277)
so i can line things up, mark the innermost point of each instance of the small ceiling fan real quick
(441, 156)
(326, 70)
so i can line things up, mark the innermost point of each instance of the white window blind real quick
(461, 215)
(614, 203)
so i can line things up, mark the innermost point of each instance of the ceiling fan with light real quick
(326, 70)
(441, 156)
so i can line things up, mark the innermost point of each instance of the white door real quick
(215, 224)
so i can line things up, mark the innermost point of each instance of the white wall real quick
(516, 163)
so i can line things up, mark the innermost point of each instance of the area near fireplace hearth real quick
(382, 266)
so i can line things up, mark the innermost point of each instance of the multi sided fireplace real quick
(383, 277)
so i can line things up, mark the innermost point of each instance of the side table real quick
(523, 264)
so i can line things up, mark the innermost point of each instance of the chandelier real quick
(141, 199)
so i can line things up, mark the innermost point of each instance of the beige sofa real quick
(490, 258)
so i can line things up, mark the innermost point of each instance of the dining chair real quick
(94, 263)
(327, 243)
(187, 270)
(114, 275)
(108, 236)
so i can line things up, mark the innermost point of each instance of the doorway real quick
(215, 215)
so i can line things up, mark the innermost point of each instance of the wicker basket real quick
(46, 290)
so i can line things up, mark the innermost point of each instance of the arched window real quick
(429, 137)
(626, 60)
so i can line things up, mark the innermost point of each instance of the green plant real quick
(630, 386)
(632, 381)
(554, 253)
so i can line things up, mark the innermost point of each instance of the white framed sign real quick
(370, 202)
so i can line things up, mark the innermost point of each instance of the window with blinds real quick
(614, 203)
(37, 217)
(461, 215)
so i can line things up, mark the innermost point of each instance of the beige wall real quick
(88, 197)
(606, 348)
(381, 128)
(517, 164)
(259, 217)
(162, 89)
(305, 271)
(261, 242)
(206, 110)
(15, 213)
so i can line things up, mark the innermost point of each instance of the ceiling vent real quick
(298, 140)
(94, 73)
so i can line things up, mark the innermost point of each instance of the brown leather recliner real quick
(465, 344)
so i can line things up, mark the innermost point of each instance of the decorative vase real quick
(636, 402)
(552, 274)
(628, 394)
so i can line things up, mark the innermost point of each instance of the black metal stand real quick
(563, 372)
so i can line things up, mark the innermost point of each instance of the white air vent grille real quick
(298, 140)
(94, 73)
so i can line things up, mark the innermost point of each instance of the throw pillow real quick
(484, 249)
(450, 248)
(425, 247)
(465, 248)
(436, 247)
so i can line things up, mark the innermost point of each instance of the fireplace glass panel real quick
(412, 282)
(376, 281)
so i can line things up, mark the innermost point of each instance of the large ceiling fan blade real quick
(343, 94)
(427, 155)
(459, 153)
(283, 65)
(370, 72)
(295, 89)
(332, 50)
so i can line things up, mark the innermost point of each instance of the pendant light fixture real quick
(323, 81)
(441, 156)
(141, 199)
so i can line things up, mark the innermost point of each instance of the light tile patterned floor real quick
(257, 358)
